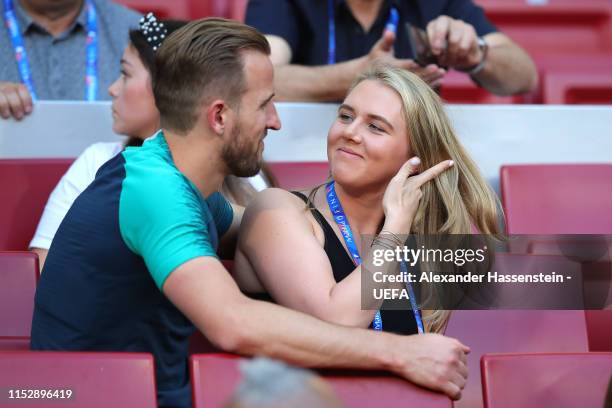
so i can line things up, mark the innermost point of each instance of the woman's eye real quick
(344, 117)
(376, 128)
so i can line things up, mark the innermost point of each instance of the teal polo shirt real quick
(125, 234)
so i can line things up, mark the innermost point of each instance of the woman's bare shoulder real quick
(278, 205)
(277, 198)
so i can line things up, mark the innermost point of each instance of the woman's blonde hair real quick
(457, 201)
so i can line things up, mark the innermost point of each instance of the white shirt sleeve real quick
(80, 174)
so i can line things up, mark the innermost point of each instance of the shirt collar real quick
(385, 6)
(23, 19)
(159, 139)
(343, 2)
(81, 19)
(26, 22)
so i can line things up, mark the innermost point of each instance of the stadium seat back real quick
(599, 326)
(515, 331)
(561, 27)
(566, 199)
(587, 87)
(18, 278)
(546, 380)
(557, 198)
(96, 380)
(457, 87)
(25, 185)
(215, 376)
(163, 9)
(14, 343)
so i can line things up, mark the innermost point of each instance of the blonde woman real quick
(397, 167)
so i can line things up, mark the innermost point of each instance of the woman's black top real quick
(395, 321)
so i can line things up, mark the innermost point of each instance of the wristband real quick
(484, 47)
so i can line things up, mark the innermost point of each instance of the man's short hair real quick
(199, 63)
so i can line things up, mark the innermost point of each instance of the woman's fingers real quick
(431, 173)
(403, 193)
(410, 167)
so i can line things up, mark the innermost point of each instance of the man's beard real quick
(240, 157)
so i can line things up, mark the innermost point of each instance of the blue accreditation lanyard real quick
(91, 75)
(391, 25)
(345, 229)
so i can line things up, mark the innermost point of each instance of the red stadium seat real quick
(238, 9)
(94, 379)
(14, 343)
(18, 278)
(586, 87)
(163, 9)
(546, 380)
(215, 376)
(583, 65)
(208, 8)
(565, 199)
(564, 36)
(557, 198)
(506, 331)
(458, 88)
(297, 175)
(566, 27)
(599, 325)
(25, 185)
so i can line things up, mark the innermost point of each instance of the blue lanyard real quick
(391, 25)
(91, 76)
(345, 229)
(413, 303)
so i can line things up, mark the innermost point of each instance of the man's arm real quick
(205, 292)
(507, 68)
(331, 82)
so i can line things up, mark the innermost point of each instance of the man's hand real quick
(433, 361)
(454, 42)
(382, 51)
(15, 100)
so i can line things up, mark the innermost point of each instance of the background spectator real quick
(66, 49)
(320, 46)
(134, 115)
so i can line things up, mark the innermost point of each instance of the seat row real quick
(570, 41)
(68, 379)
(537, 199)
(485, 331)
(541, 26)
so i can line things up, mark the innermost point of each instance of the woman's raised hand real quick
(403, 193)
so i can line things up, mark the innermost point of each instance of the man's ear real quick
(217, 113)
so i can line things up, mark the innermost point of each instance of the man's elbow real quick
(232, 335)
(526, 81)
(226, 339)
(531, 81)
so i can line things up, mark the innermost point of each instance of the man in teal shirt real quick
(133, 266)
